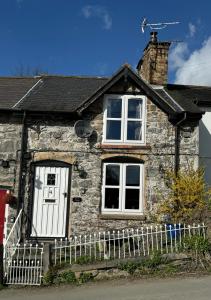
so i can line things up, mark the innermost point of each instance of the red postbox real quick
(3, 194)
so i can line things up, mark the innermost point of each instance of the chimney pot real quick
(154, 38)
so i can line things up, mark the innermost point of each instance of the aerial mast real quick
(155, 26)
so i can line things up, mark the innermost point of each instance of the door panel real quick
(50, 201)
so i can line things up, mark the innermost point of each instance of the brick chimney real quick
(153, 66)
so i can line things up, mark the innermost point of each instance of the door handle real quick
(65, 195)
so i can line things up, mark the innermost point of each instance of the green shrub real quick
(129, 267)
(67, 277)
(51, 275)
(154, 261)
(198, 247)
(196, 243)
(85, 277)
(151, 263)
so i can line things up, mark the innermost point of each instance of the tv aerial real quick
(155, 26)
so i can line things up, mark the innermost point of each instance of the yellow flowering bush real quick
(188, 197)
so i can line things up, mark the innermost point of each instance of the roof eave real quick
(126, 72)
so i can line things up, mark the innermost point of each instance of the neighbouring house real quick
(86, 154)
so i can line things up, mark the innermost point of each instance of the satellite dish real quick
(83, 129)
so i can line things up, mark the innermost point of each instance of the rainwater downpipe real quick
(177, 143)
(21, 185)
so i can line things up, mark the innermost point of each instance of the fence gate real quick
(25, 266)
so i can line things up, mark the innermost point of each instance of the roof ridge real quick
(188, 85)
(55, 76)
(75, 76)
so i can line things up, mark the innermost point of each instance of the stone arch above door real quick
(58, 156)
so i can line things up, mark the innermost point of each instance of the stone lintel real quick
(59, 156)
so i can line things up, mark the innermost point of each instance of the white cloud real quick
(192, 68)
(192, 29)
(100, 12)
(178, 55)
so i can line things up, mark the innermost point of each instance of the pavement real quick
(190, 288)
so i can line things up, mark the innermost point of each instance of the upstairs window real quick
(124, 119)
(122, 188)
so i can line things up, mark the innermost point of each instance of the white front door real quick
(50, 201)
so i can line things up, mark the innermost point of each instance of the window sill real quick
(124, 146)
(122, 217)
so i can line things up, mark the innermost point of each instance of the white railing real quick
(125, 243)
(15, 233)
(26, 266)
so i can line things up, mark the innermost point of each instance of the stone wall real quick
(10, 145)
(52, 136)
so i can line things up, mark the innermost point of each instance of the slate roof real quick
(185, 104)
(75, 93)
(61, 94)
(12, 89)
(185, 94)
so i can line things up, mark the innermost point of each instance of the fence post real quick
(1, 264)
(46, 257)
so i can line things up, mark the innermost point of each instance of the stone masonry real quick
(53, 136)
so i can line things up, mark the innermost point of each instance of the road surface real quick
(190, 288)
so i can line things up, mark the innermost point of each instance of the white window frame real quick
(124, 119)
(122, 188)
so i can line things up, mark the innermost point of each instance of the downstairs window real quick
(122, 188)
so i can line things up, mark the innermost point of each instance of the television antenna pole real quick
(155, 26)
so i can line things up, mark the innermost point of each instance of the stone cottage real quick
(82, 154)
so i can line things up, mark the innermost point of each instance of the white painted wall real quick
(205, 143)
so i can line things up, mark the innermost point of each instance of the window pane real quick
(132, 176)
(113, 131)
(114, 108)
(135, 108)
(111, 198)
(51, 179)
(134, 130)
(132, 199)
(112, 174)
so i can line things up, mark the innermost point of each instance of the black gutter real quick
(21, 185)
(177, 150)
(177, 143)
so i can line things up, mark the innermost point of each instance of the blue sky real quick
(96, 37)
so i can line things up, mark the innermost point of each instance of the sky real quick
(94, 38)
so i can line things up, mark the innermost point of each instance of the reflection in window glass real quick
(134, 130)
(132, 175)
(132, 199)
(114, 108)
(113, 131)
(111, 198)
(112, 174)
(135, 108)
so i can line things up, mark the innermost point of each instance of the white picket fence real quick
(26, 265)
(123, 243)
